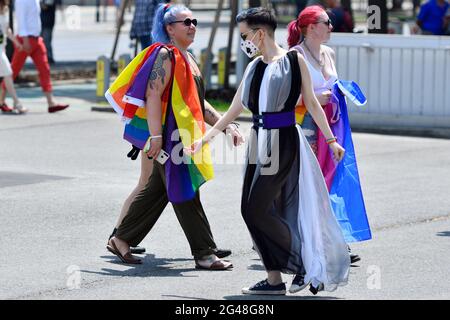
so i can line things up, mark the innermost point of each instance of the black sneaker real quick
(298, 283)
(263, 287)
(354, 258)
(315, 290)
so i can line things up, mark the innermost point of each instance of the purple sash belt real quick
(274, 120)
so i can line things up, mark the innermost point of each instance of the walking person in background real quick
(432, 17)
(307, 34)
(5, 66)
(141, 26)
(32, 45)
(341, 19)
(48, 14)
(300, 5)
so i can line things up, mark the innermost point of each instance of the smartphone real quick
(162, 157)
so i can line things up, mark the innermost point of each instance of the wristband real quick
(332, 140)
(147, 144)
(235, 124)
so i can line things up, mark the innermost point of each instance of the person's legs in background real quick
(9, 85)
(145, 41)
(17, 63)
(47, 34)
(39, 57)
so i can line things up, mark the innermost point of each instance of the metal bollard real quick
(207, 75)
(124, 60)
(103, 74)
(221, 67)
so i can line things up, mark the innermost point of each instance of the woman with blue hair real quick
(161, 91)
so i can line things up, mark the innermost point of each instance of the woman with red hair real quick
(307, 34)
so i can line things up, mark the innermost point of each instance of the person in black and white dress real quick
(285, 202)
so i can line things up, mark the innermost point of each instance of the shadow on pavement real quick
(151, 267)
(443, 234)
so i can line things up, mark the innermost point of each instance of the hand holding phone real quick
(162, 157)
(153, 146)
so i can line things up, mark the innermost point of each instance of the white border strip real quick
(131, 100)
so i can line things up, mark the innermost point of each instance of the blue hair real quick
(165, 14)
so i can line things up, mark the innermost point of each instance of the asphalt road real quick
(64, 177)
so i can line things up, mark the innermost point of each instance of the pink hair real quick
(308, 16)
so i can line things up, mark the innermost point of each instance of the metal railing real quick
(406, 79)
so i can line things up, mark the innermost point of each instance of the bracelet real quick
(332, 140)
(154, 137)
(236, 125)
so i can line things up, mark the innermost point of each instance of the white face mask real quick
(249, 48)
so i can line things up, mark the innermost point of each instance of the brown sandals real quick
(128, 258)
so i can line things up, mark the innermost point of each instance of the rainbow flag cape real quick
(182, 119)
(342, 178)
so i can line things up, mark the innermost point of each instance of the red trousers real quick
(39, 56)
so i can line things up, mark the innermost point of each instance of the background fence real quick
(406, 79)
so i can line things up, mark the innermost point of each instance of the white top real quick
(320, 84)
(28, 14)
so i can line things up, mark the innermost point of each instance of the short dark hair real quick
(256, 17)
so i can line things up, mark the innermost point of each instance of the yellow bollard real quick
(103, 74)
(124, 60)
(221, 67)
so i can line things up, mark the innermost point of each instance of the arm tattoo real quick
(209, 115)
(158, 70)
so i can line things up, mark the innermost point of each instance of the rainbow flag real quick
(182, 119)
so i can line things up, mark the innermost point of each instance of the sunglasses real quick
(187, 22)
(244, 35)
(328, 22)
